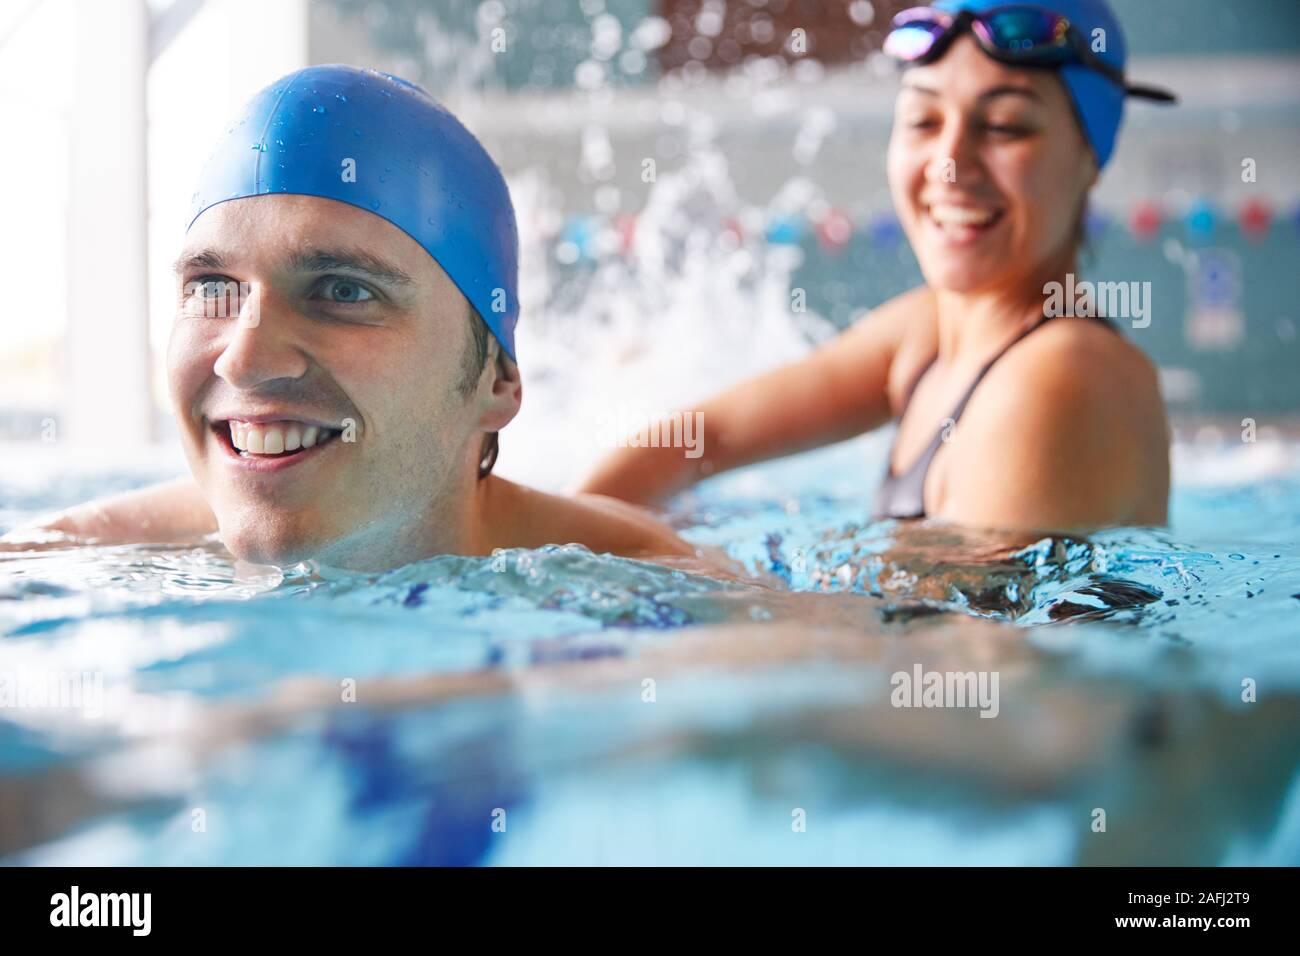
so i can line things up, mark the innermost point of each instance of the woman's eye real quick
(1006, 129)
(346, 291)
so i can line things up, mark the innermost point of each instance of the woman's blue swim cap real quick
(1098, 101)
(382, 144)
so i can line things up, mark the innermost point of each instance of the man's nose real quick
(261, 346)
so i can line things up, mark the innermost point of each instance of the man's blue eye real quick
(345, 290)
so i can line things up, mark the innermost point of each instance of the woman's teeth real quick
(961, 215)
(275, 438)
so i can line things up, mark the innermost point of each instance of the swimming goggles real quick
(1017, 34)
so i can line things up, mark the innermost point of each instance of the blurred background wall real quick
(700, 185)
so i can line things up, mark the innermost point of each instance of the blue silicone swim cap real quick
(382, 144)
(1098, 101)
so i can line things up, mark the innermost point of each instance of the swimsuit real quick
(903, 496)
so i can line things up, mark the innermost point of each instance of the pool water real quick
(556, 706)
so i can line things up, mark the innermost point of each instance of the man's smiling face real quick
(349, 336)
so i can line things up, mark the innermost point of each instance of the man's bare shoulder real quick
(627, 528)
(532, 518)
(166, 513)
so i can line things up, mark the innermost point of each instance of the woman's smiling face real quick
(988, 170)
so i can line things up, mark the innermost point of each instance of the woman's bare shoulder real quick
(1075, 384)
(1067, 430)
(909, 324)
(1089, 359)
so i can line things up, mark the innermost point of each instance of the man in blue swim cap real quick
(343, 352)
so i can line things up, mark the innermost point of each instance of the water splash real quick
(665, 314)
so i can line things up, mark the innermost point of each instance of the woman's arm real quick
(167, 512)
(838, 391)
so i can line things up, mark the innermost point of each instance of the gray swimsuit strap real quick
(903, 496)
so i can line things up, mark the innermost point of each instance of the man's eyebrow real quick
(203, 259)
(352, 260)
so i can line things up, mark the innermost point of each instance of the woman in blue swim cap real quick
(1006, 115)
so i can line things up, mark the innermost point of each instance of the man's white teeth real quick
(960, 215)
(274, 438)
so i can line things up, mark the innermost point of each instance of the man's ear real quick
(504, 393)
